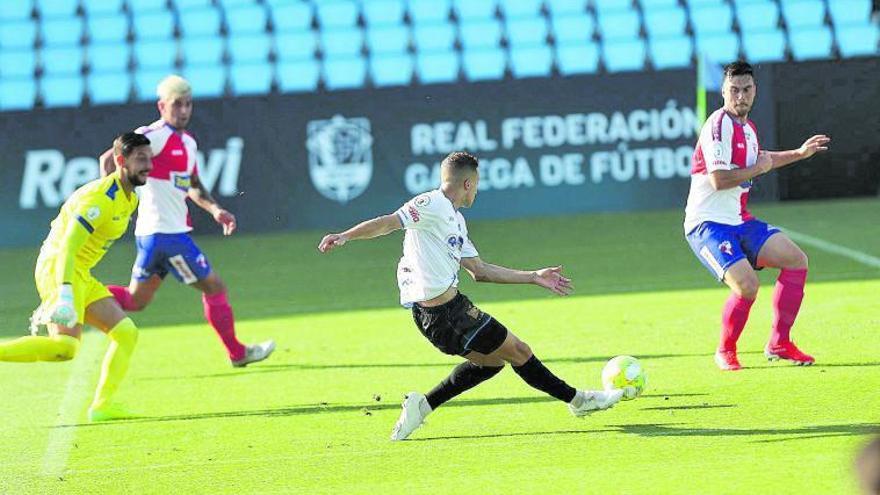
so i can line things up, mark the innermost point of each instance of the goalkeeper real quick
(89, 222)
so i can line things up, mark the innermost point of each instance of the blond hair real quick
(173, 86)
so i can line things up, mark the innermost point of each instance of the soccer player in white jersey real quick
(435, 247)
(163, 225)
(726, 238)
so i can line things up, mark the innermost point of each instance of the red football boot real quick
(790, 352)
(726, 360)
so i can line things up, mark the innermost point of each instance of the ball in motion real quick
(626, 373)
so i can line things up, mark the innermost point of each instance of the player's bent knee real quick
(125, 332)
(748, 288)
(523, 351)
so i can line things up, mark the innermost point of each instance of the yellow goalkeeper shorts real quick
(86, 290)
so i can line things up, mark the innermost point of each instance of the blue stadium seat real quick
(145, 82)
(559, 7)
(671, 53)
(190, 4)
(626, 55)
(342, 41)
(803, 13)
(484, 64)
(292, 17)
(246, 19)
(337, 14)
(344, 72)
(251, 48)
(56, 8)
(764, 46)
(64, 60)
(200, 22)
(719, 47)
(531, 61)
(711, 19)
(207, 81)
(18, 11)
(299, 76)
(811, 43)
(480, 34)
(107, 28)
(437, 67)
(93, 7)
(19, 63)
(109, 57)
(202, 51)
(578, 58)
(858, 40)
(109, 87)
(429, 11)
(250, 79)
(650, 5)
(62, 32)
(471, 10)
(527, 31)
(514, 9)
(850, 11)
(145, 6)
(17, 94)
(62, 91)
(701, 3)
(155, 25)
(433, 37)
(611, 6)
(156, 54)
(388, 39)
(391, 69)
(18, 34)
(620, 24)
(230, 4)
(665, 22)
(573, 28)
(757, 16)
(383, 12)
(298, 45)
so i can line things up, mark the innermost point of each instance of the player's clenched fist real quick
(331, 241)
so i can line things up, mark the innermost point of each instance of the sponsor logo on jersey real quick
(414, 213)
(455, 242)
(181, 181)
(340, 156)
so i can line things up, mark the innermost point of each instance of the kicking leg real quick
(107, 316)
(138, 294)
(62, 344)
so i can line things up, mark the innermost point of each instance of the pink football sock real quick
(786, 303)
(219, 315)
(733, 320)
(123, 297)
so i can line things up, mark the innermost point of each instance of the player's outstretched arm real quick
(726, 179)
(106, 166)
(811, 146)
(369, 229)
(202, 197)
(550, 278)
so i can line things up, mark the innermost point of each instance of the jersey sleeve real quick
(86, 214)
(720, 145)
(420, 213)
(156, 145)
(468, 249)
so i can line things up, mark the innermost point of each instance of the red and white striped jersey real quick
(163, 207)
(724, 144)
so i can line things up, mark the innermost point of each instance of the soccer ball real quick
(625, 372)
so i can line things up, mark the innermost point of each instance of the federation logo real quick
(726, 248)
(423, 201)
(93, 213)
(340, 157)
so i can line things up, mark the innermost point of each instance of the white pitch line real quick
(77, 393)
(864, 258)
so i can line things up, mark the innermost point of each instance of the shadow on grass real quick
(797, 433)
(510, 435)
(306, 409)
(866, 364)
(685, 408)
(280, 368)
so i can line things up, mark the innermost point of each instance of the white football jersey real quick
(163, 207)
(436, 240)
(724, 144)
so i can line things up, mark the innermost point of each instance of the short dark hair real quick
(738, 68)
(460, 161)
(125, 144)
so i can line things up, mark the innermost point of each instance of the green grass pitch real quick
(316, 417)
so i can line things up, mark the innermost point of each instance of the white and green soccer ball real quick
(626, 373)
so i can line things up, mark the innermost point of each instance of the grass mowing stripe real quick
(833, 248)
(76, 393)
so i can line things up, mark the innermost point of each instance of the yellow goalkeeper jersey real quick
(91, 219)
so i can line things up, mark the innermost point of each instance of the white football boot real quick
(254, 353)
(415, 409)
(594, 400)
